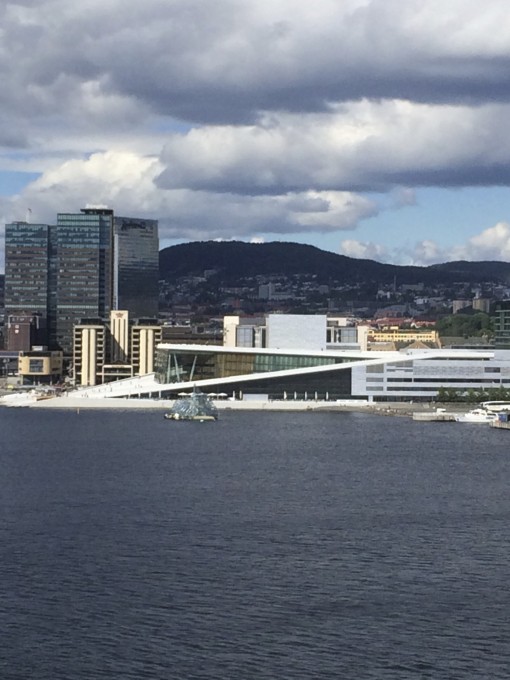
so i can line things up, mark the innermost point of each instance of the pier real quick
(434, 417)
(501, 425)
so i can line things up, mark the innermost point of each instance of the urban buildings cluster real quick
(81, 303)
(65, 286)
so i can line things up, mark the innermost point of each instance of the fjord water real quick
(266, 545)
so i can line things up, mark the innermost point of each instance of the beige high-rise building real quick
(144, 339)
(103, 354)
(119, 335)
(88, 353)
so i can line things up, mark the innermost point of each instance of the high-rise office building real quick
(80, 272)
(136, 266)
(26, 284)
(26, 268)
(81, 268)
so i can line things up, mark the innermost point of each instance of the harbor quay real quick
(403, 408)
(418, 411)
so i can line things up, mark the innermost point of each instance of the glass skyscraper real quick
(83, 267)
(81, 276)
(136, 266)
(26, 268)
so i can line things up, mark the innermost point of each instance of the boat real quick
(477, 415)
(496, 406)
(195, 406)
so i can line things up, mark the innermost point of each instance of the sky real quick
(370, 128)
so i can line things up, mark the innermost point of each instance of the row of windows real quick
(444, 380)
(188, 366)
(410, 388)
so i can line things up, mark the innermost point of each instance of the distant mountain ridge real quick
(234, 260)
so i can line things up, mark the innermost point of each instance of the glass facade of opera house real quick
(194, 364)
(414, 374)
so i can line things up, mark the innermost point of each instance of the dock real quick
(501, 425)
(434, 417)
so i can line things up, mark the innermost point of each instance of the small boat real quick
(477, 415)
(200, 418)
(195, 406)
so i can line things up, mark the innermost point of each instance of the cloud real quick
(126, 179)
(252, 118)
(491, 244)
(358, 146)
(362, 251)
(203, 63)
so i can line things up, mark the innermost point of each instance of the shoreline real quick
(402, 409)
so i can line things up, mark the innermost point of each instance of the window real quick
(36, 366)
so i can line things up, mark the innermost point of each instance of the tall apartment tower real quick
(81, 268)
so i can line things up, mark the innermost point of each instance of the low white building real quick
(422, 377)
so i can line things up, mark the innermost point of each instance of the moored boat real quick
(477, 415)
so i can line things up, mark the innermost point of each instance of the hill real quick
(234, 260)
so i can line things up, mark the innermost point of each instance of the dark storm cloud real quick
(227, 61)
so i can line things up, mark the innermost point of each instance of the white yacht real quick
(477, 415)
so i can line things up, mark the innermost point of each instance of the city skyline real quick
(82, 267)
(370, 128)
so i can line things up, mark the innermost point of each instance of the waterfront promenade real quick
(68, 401)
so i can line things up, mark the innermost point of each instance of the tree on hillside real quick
(465, 325)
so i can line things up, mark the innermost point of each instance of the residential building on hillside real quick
(404, 336)
(481, 304)
(458, 305)
(502, 325)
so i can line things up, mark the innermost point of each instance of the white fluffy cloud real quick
(356, 146)
(363, 251)
(127, 179)
(492, 244)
